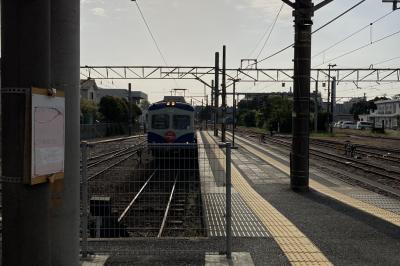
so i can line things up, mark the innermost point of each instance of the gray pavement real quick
(263, 251)
(345, 235)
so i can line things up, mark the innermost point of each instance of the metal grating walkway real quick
(244, 222)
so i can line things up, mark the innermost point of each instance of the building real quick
(387, 113)
(342, 110)
(90, 91)
(256, 100)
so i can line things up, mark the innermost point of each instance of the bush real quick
(250, 119)
(113, 109)
(88, 111)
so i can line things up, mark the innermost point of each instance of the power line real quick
(360, 48)
(272, 29)
(274, 54)
(353, 34)
(339, 16)
(386, 60)
(152, 36)
(315, 31)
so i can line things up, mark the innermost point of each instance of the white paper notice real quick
(47, 136)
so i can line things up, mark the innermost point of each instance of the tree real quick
(205, 113)
(277, 113)
(88, 111)
(136, 112)
(144, 104)
(362, 107)
(113, 109)
(250, 118)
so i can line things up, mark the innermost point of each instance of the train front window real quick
(181, 122)
(160, 121)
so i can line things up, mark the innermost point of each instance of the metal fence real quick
(102, 130)
(132, 190)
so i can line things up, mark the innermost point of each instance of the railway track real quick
(374, 177)
(162, 207)
(384, 154)
(103, 156)
(153, 197)
(378, 170)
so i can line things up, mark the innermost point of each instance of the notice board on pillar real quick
(47, 136)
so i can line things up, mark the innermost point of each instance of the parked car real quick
(349, 125)
(338, 124)
(364, 125)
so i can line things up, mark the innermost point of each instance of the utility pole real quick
(329, 103)
(223, 126)
(299, 170)
(333, 103)
(234, 114)
(130, 109)
(25, 63)
(216, 93)
(316, 107)
(234, 109)
(212, 101)
(64, 207)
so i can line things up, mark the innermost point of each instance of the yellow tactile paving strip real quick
(355, 203)
(296, 246)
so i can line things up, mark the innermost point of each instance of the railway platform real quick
(345, 224)
(334, 224)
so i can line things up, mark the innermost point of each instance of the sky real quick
(189, 32)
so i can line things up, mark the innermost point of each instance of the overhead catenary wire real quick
(360, 48)
(260, 40)
(152, 36)
(315, 31)
(271, 30)
(339, 16)
(353, 34)
(386, 60)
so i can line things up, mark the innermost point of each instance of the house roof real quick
(387, 101)
(87, 84)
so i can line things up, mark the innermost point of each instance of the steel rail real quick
(114, 140)
(167, 209)
(136, 196)
(334, 157)
(113, 165)
(105, 154)
(385, 150)
(114, 154)
(377, 185)
(371, 151)
(360, 150)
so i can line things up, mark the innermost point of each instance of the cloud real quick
(98, 11)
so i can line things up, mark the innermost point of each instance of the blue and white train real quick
(170, 121)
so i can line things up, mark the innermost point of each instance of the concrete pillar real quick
(299, 170)
(25, 50)
(65, 61)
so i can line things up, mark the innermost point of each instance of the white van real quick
(361, 125)
(349, 125)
